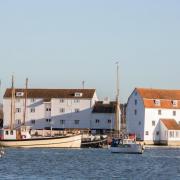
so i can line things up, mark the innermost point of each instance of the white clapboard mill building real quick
(56, 108)
(154, 115)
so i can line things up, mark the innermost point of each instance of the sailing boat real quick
(21, 137)
(122, 142)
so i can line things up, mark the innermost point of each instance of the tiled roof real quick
(53, 93)
(159, 93)
(110, 107)
(99, 107)
(166, 98)
(164, 104)
(170, 124)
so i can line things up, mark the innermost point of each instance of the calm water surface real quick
(156, 163)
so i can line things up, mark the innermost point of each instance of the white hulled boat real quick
(120, 144)
(9, 138)
(21, 137)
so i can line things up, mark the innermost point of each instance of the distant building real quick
(59, 108)
(103, 116)
(154, 115)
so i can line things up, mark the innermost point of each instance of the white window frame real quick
(18, 110)
(33, 121)
(33, 110)
(61, 100)
(62, 121)
(76, 122)
(76, 110)
(62, 110)
(153, 123)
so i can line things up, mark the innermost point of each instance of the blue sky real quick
(60, 43)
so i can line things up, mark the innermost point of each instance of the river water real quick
(156, 163)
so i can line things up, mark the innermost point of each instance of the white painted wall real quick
(135, 123)
(40, 115)
(141, 123)
(103, 121)
(152, 115)
(163, 132)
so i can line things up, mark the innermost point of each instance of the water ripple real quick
(89, 164)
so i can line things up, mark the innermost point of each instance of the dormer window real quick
(174, 103)
(19, 94)
(157, 102)
(77, 94)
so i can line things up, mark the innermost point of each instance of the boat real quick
(68, 141)
(21, 136)
(121, 141)
(97, 141)
(121, 145)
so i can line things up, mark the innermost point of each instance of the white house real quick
(103, 116)
(147, 111)
(56, 108)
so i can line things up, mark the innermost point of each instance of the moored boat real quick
(10, 138)
(121, 142)
(126, 146)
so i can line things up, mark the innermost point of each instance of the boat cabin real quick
(8, 134)
(16, 134)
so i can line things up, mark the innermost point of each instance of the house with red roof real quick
(154, 115)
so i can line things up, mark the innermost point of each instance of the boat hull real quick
(129, 149)
(51, 142)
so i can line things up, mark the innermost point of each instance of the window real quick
(135, 102)
(76, 121)
(135, 112)
(153, 123)
(48, 109)
(76, 100)
(157, 102)
(77, 94)
(157, 133)
(109, 121)
(62, 110)
(33, 100)
(48, 120)
(18, 121)
(32, 121)
(18, 110)
(19, 94)
(139, 122)
(11, 132)
(147, 133)
(32, 110)
(174, 103)
(7, 132)
(76, 110)
(174, 113)
(61, 100)
(97, 121)
(159, 112)
(18, 100)
(177, 134)
(62, 121)
(171, 133)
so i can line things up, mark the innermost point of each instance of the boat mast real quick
(12, 104)
(25, 102)
(117, 108)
